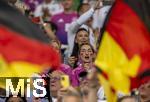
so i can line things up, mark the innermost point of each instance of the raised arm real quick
(84, 17)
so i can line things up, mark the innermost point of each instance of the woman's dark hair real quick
(19, 95)
(76, 46)
(75, 53)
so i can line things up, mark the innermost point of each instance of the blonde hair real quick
(56, 41)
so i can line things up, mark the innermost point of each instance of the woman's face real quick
(86, 54)
(82, 37)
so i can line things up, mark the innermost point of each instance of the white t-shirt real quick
(99, 16)
(53, 7)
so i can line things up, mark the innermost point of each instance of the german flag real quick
(23, 47)
(125, 44)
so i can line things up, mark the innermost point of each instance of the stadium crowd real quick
(74, 31)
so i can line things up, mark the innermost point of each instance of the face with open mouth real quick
(86, 53)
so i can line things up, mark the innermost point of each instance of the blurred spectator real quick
(90, 87)
(55, 84)
(16, 99)
(145, 92)
(83, 7)
(56, 44)
(96, 91)
(144, 89)
(50, 29)
(63, 67)
(48, 8)
(62, 20)
(72, 96)
(69, 94)
(127, 99)
(84, 86)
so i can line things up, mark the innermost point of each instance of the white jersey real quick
(99, 16)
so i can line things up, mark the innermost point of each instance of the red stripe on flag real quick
(15, 47)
